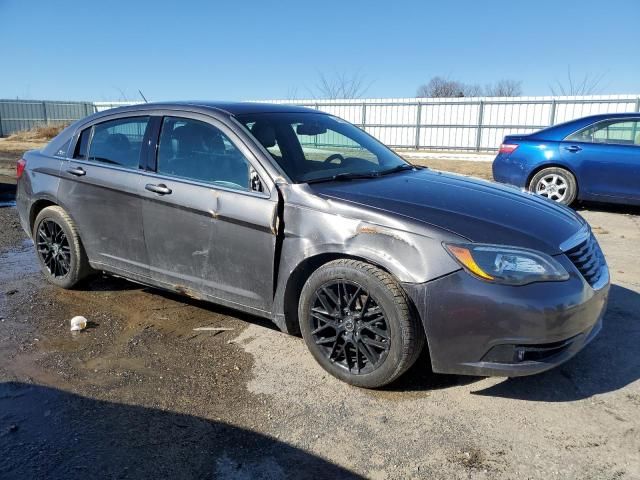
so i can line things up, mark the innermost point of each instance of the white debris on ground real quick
(78, 323)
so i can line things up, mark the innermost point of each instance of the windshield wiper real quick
(357, 175)
(344, 176)
(398, 168)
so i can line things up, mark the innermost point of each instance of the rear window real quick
(117, 142)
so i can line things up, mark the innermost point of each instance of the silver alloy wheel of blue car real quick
(553, 186)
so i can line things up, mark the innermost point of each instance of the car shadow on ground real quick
(608, 208)
(50, 433)
(609, 363)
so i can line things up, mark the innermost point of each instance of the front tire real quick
(62, 258)
(358, 323)
(556, 184)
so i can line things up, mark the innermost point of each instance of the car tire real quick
(560, 184)
(60, 253)
(358, 323)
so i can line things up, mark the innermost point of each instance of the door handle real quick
(160, 189)
(77, 171)
(573, 148)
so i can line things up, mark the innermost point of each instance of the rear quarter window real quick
(82, 147)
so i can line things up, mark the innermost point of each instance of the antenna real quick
(142, 95)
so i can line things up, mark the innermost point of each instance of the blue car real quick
(595, 158)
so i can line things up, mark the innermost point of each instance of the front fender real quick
(312, 234)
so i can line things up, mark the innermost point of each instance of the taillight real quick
(20, 167)
(507, 148)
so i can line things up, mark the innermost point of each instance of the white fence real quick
(477, 124)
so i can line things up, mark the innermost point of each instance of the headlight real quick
(508, 265)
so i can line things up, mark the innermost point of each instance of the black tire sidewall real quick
(73, 275)
(572, 185)
(385, 300)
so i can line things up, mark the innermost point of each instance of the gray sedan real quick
(301, 217)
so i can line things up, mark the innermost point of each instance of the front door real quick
(100, 188)
(208, 229)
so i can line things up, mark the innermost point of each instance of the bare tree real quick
(589, 84)
(504, 88)
(472, 90)
(440, 87)
(123, 95)
(292, 93)
(341, 85)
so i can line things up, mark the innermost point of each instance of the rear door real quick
(207, 224)
(100, 188)
(608, 158)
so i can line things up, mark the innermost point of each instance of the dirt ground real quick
(140, 394)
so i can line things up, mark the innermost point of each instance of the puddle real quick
(17, 262)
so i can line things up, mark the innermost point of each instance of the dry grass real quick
(41, 132)
(12, 150)
(465, 167)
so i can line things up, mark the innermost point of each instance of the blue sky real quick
(83, 50)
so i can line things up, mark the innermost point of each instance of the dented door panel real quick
(211, 242)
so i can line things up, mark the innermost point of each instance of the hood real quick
(478, 210)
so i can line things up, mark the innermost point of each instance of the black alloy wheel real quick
(53, 247)
(349, 326)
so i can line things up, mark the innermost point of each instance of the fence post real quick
(479, 132)
(44, 112)
(418, 121)
(364, 114)
(552, 114)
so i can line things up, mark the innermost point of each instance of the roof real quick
(561, 130)
(232, 108)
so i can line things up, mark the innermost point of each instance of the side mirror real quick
(256, 183)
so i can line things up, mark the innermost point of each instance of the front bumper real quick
(474, 327)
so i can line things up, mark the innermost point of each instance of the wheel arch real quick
(37, 207)
(301, 274)
(46, 201)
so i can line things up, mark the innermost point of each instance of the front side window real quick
(315, 146)
(198, 151)
(117, 142)
(625, 132)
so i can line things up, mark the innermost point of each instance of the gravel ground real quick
(141, 394)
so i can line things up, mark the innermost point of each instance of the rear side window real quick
(625, 132)
(117, 142)
(199, 151)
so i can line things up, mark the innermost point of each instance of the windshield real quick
(316, 146)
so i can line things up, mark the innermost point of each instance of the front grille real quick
(588, 259)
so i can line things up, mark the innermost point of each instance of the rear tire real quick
(60, 253)
(358, 323)
(555, 183)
